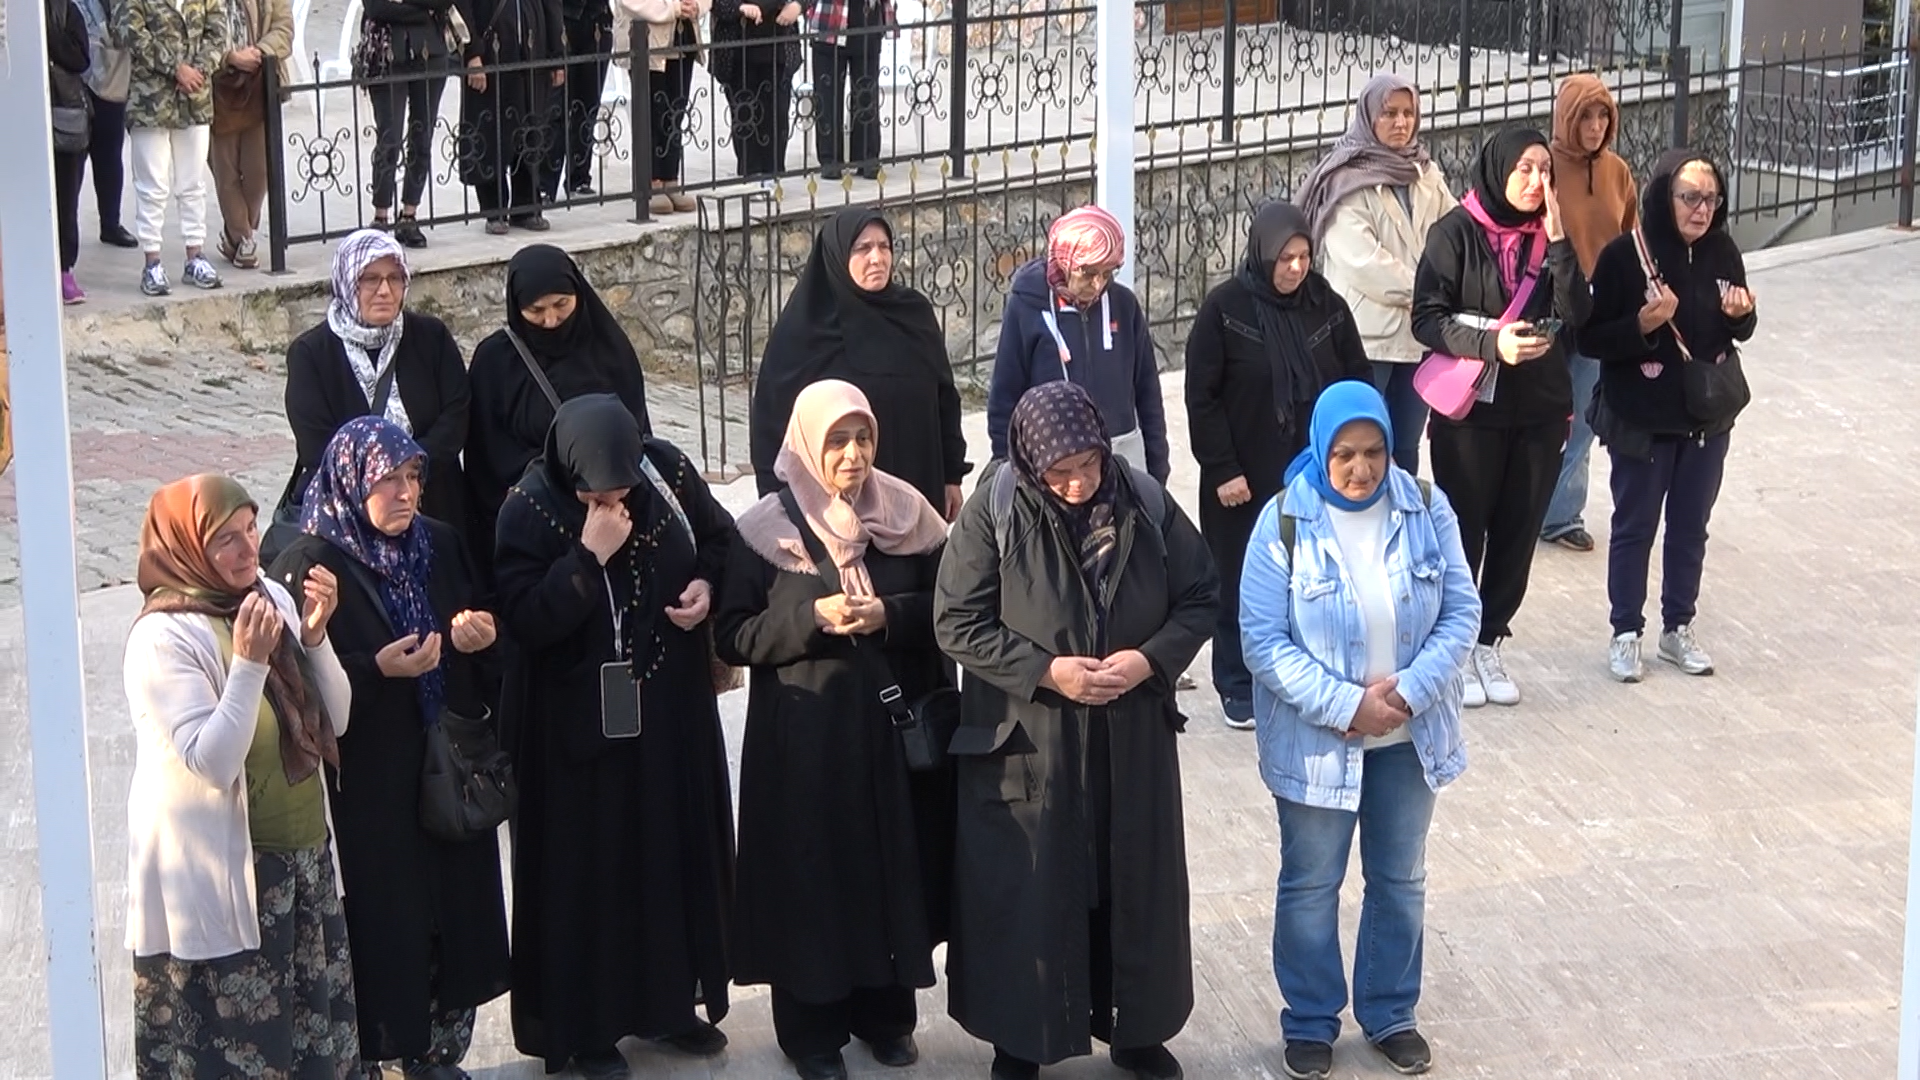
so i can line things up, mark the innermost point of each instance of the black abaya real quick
(510, 414)
(427, 917)
(504, 128)
(888, 343)
(623, 860)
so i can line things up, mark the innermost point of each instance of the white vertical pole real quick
(1113, 123)
(1908, 1067)
(43, 476)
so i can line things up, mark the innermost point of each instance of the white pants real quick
(169, 163)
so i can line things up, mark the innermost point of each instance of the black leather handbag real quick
(467, 786)
(927, 723)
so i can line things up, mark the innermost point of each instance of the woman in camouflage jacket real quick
(176, 46)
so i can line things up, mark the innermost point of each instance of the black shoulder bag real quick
(1716, 387)
(926, 724)
(467, 786)
(285, 527)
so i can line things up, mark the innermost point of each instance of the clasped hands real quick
(846, 615)
(1382, 710)
(1092, 681)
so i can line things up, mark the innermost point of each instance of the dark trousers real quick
(570, 153)
(403, 117)
(762, 115)
(1405, 407)
(1684, 479)
(516, 187)
(107, 153)
(668, 101)
(873, 1014)
(1227, 530)
(67, 172)
(1499, 481)
(846, 99)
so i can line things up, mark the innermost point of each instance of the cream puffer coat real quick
(661, 16)
(1369, 253)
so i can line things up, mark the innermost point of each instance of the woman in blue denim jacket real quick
(1356, 661)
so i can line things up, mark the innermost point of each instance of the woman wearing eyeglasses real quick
(370, 356)
(1066, 318)
(1681, 299)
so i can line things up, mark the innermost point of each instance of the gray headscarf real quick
(1359, 160)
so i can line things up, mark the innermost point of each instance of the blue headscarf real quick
(1339, 405)
(362, 452)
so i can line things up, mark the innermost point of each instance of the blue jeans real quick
(1405, 408)
(1396, 806)
(1569, 506)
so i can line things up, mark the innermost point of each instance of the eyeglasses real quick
(1100, 274)
(373, 283)
(1694, 200)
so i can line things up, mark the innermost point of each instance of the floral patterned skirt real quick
(282, 1012)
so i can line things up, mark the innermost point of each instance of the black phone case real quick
(619, 702)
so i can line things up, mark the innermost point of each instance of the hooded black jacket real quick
(1656, 404)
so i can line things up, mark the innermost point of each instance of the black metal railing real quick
(985, 111)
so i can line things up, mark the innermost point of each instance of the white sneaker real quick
(1623, 658)
(1499, 686)
(1475, 695)
(1678, 647)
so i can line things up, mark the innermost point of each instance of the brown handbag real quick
(239, 97)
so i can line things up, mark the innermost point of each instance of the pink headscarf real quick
(886, 512)
(1088, 236)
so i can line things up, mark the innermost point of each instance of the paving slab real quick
(1689, 879)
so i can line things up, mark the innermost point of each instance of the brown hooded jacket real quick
(1598, 199)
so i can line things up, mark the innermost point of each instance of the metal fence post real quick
(640, 115)
(1909, 126)
(1463, 90)
(1680, 69)
(1229, 49)
(276, 170)
(957, 98)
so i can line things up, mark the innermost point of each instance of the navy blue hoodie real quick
(1114, 362)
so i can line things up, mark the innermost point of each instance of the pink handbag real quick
(1451, 384)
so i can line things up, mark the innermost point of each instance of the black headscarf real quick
(1052, 422)
(1296, 378)
(1498, 156)
(832, 325)
(587, 354)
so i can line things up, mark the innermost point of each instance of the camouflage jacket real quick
(161, 37)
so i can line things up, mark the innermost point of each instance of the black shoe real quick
(602, 1065)
(118, 236)
(703, 1040)
(582, 190)
(417, 1069)
(1008, 1067)
(831, 172)
(896, 1053)
(1148, 1063)
(1575, 540)
(1406, 1051)
(407, 231)
(1307, 1060)
(869, 172)
(533, 222)
(821, 1067)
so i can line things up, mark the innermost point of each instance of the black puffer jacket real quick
(1640, 375)
(1459, 274)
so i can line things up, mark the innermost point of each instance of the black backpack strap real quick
(874, 660)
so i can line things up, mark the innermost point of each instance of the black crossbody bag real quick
(927, 723)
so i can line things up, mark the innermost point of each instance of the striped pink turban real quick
(1088, 236)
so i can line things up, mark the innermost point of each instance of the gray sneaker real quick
(1678, 647)
(153, 281)
(200, 273)
(1623, 658)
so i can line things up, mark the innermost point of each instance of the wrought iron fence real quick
(980, 116)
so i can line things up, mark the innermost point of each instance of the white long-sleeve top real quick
(190, 887)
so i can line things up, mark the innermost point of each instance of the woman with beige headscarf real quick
(845, 854)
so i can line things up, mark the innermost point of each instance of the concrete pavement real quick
(1689, 878)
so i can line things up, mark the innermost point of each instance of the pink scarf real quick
(1507, 240)
(886, 512)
